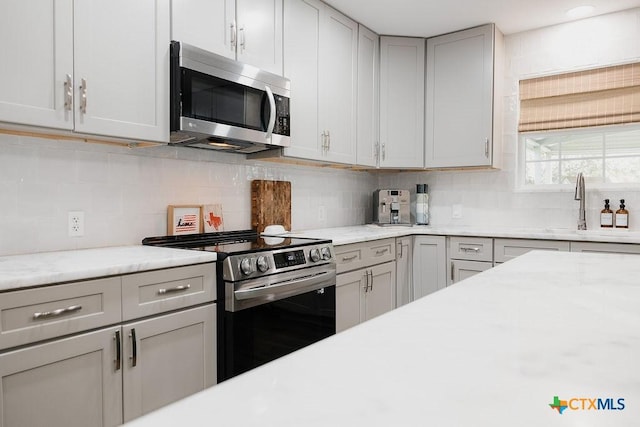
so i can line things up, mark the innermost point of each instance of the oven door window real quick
(217, 100)
(260, 334)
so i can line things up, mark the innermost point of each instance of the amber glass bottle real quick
(622, 216)
(606, 216)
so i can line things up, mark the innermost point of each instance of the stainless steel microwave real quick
(221, 104)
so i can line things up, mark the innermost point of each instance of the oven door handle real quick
(309, 283)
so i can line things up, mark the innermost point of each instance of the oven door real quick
(271, 329)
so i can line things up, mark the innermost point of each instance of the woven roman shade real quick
(602, 96)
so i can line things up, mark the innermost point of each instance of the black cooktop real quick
(230, 242)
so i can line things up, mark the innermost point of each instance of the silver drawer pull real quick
(349, 258)
(381, 251)
(180, 288)
(58, 312)
(475, 250)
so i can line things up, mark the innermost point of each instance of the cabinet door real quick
(71, 382)
(404, 276)
(167, 358)
(350, 288)
(338, 89)
(599, 247)
(381, 296)
(37, 57)
(460, 270)
(401, 102)
(367, 105)
(207, 24)
(121, 67)
(260, 34)
(301, 65)
(459, 98)
(506, 249)
(429, 265)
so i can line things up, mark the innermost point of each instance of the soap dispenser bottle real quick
(622, 216)
(606, 216)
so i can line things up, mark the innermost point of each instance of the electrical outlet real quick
(76, 224)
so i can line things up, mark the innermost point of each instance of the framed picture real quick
(184, 219)
(212, 218)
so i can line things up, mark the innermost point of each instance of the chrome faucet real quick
(582, 218)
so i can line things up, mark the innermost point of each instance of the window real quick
(609, 155)
(585, 121)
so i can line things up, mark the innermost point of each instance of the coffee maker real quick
(391, 207)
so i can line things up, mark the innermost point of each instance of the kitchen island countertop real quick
(23, 271)
(492, 350)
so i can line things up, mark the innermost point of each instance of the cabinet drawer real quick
(153, 292)
(506, 249)
(358, 255)
(617, 248)
(471, 248)
(36, 314)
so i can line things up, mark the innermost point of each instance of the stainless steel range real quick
(275, 294)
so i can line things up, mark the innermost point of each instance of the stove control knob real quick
(245, 266)
(263, 265)
(326, 253)
(314, 254)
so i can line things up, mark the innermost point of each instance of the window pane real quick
(542, 173)
(580, 146)
(590, 168)
(542, 149)
(623, 170)
(623, 143)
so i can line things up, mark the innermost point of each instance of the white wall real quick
(125, 192)
(490, 197)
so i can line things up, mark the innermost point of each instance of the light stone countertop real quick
(361, 233)
(491, 350)
(22, 271)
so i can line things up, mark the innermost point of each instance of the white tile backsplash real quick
(490, 197)
(125, 192)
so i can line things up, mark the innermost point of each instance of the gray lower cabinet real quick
(468, 256)
(429, 265)
(366, 281)
(167, 358)
(404, 273)
(69, 382)
(506, 249)
(364, 294)
(618, 248)
(70, 356)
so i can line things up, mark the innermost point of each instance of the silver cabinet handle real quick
(323, 140)
(349, 258)
(371, 281)
(56, 313)
(83, 96)
(384, 151)
(474, 250)
(376, 151)
(118, 362)
(328, 140)
(232, 28)
(400, 250)
(68, 93)
(180, 288)
(452, 268)
(134, 348)
(486, 147)
(381, 251)
(242, 40)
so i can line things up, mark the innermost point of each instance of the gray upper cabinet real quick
(368, 77)
(247, 30)
(93, 67)
(463, 99)
(320, 59)
(401, 102)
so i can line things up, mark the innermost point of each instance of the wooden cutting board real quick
(270, 204)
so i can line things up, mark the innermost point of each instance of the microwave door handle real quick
(272, 113)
